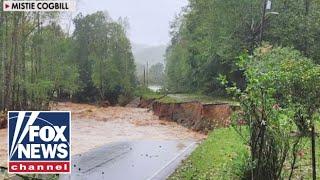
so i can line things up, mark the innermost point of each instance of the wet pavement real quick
(137, 160)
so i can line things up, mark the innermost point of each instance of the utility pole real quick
(147, 73)
(144, 75)
(264, 9)
(307, 9)
(307, 4)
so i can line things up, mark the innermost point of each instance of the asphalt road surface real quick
(137, 160)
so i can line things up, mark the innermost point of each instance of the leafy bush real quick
(279, 105)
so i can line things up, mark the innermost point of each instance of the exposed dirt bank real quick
(96, 126)
(194, 115)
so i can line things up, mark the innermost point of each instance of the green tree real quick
(105, 60)
(281, 97)
(209, 35)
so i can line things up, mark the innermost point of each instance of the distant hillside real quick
(152, 54)
(144, 54)
(138, 47)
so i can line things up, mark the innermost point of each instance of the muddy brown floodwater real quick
(94, 126)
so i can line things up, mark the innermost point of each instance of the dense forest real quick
(40, 62)
(208, 36)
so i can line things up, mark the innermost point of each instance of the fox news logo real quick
(39, 142)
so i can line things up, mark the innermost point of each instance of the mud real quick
(145, 103)
(94, 127)
(195, 115)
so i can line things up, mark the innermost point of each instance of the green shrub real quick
(279, 105)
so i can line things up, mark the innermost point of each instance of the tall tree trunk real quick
(263, 18)
(23, 65)
(9, 68)
(306, 44)
(15, 63)
(38, 103)
(39, 44)
(3, 51)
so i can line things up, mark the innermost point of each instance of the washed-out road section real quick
(121, 143)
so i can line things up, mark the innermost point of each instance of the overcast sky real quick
(149, 19)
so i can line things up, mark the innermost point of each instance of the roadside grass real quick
(152, 95)
(224, 155)
(148, 94)
(202, 98)
(215, 158)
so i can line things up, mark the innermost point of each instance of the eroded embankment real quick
(194, 115)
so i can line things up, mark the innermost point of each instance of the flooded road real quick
(94, 127)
